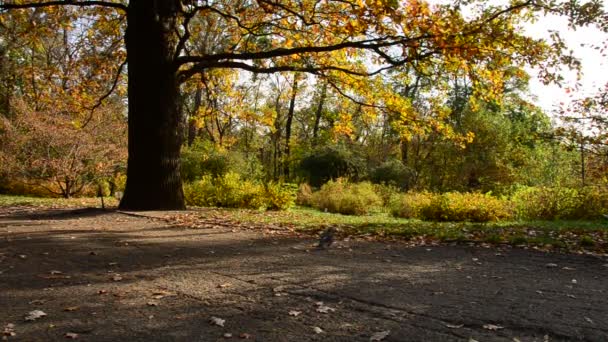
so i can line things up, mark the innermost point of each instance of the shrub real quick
(231, 191)
(347, 198)
(203, 158)
(331, 162)
(304, 195)
(471, 207)
(388, 193)
(551, 203)
(410, 205)
(393, 172)
(279, 196)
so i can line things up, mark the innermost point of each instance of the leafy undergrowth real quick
(40, 202)
(567, 236)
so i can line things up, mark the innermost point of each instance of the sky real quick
(595, 66)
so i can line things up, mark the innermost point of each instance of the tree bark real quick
(292, 103)
(155, 124)
(318, 114)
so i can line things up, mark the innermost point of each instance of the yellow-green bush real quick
(304, 195)
(387, 192)
(230, 191)
(410, 205)
(551, 203)
(279, 196)
(347, 198)
(471, 207)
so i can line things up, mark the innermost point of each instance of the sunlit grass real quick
(571, 235)
(8, 200)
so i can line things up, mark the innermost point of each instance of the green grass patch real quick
(570, 235)
(45, 202)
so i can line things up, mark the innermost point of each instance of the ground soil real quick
(109, 276)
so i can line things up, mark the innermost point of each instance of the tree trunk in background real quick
(318, 114)
(292, 103)
(155, 125)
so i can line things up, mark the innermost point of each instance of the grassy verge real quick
(561, 235)
(9, 201)
(548, 235)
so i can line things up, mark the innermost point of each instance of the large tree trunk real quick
(155, 125)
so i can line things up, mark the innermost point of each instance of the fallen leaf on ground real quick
(551, 265)
(9, 330)
(245, 336)
(71, 308)
(294, 313)
(217, 321)
(71, 335)
(152, 303)
(492, 327)
(317, 330)
(221, 286)
(34, 315)
(454, 326)
(379, 336)
(324, 309)
(117, 277)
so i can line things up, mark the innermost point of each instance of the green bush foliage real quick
(347, 198)
(331, 162)
(392, 172)
(552, 203)
(231, 191)
(203, 158)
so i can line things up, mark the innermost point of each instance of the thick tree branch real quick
(6, 5)
(369, 44)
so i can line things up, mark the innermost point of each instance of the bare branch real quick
(106, 95)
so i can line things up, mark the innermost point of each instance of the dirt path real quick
(107, 276)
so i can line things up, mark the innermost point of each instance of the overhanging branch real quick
(6, 5)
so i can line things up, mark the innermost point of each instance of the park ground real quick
(104, 275)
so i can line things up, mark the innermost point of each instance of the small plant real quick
(587, 241)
